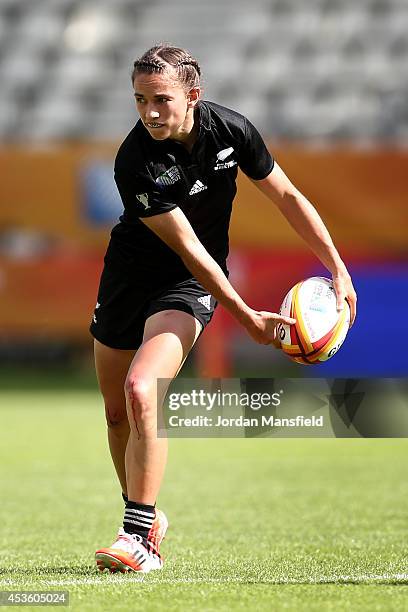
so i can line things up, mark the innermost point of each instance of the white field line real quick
(106, 580)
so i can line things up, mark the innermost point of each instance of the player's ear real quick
(193, 97)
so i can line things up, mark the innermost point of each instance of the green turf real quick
(265, 524)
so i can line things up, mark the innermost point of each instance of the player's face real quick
(164, 106)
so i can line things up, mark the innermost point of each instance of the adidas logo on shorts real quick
(205, 301)
(197, 187)
(96, 308)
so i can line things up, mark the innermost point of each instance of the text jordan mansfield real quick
(241, 421)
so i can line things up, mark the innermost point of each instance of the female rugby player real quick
(165, 270)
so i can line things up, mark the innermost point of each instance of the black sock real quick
(125, 498)
(138, 518)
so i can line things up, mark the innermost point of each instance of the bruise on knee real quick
(140, 408)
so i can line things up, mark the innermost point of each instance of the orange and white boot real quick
(131, 553)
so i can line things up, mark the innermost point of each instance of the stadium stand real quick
(320, 69)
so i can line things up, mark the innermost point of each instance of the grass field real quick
(265, 524)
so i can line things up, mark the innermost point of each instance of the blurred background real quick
(324, 81)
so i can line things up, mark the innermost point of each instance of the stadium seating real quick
(300, 70)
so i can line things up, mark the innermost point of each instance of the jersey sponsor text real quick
(169, 177)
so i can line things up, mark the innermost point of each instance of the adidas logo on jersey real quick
(197, 187)
(205, 301)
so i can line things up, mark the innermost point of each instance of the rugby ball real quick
(320, 329)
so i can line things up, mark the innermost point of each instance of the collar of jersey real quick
(205, 118)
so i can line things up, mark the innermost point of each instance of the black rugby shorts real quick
(124, 305)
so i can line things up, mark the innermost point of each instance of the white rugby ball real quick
(320, 329)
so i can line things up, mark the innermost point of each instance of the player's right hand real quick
(263, 327)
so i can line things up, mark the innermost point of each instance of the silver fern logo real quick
(222, 156)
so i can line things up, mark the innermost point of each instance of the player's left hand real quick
(345, 291)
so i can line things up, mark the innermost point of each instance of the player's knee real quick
(136, 389)
(116, 415)
(139, 399)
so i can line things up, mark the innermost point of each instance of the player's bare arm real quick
(175, 230)
(306, 221)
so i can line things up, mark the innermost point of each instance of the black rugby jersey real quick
(156, 176)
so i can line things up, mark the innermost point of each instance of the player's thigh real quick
(112, 366)
(168, 337)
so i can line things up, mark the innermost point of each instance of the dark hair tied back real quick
(191, 62)
(154, 65)
(163, 58)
